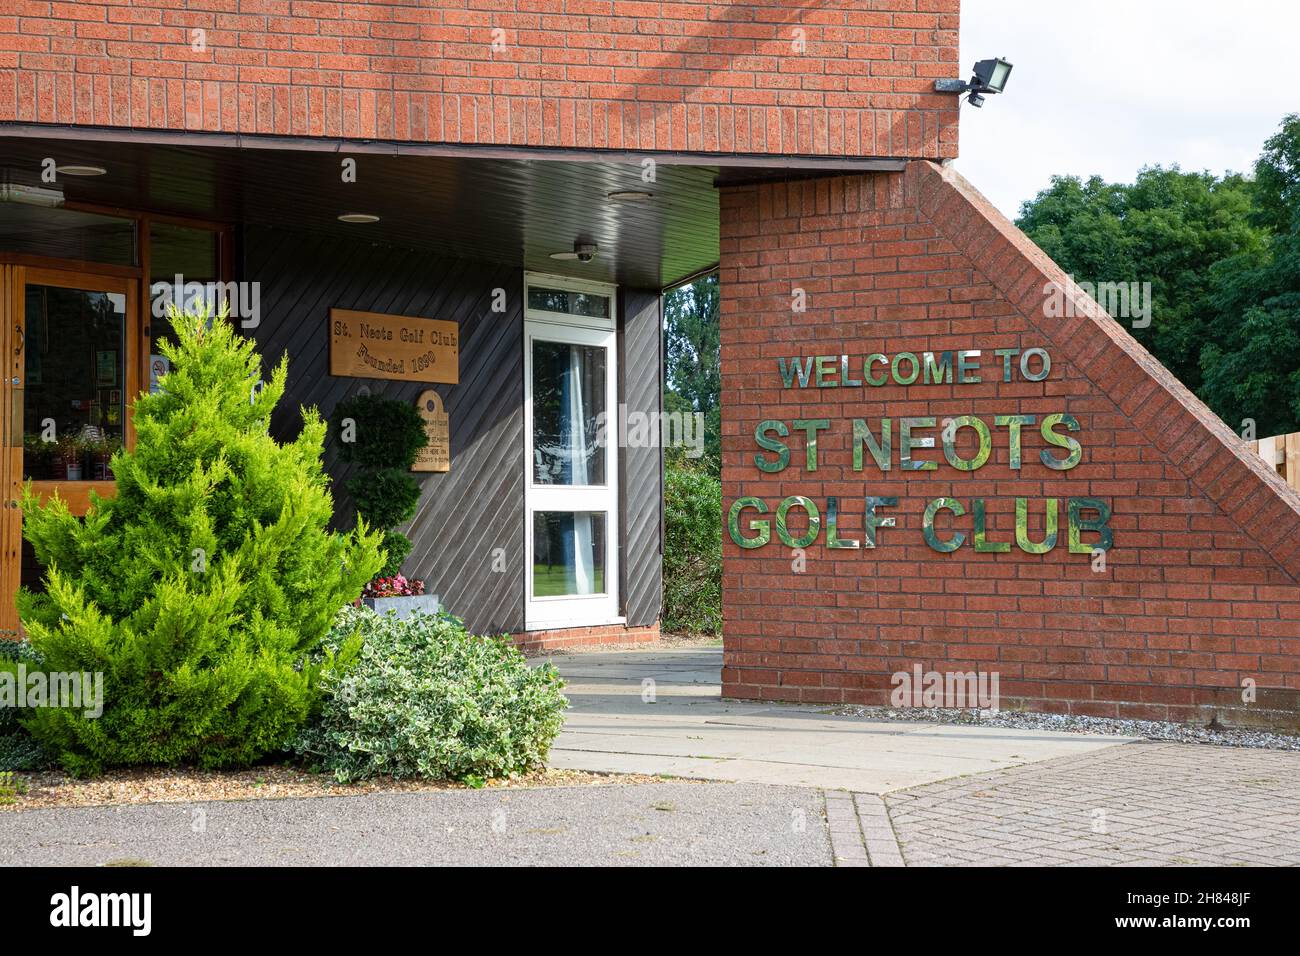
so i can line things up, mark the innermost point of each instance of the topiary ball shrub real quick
(383, 436)
(425, 698)
(384, 432)
(18, 749)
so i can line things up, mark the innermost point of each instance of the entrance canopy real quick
(515, 207)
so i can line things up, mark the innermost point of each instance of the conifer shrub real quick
(383, 436)
(425, 698)
(201, 587)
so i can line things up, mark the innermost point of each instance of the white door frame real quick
(547, 613)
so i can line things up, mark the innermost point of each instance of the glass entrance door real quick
(571, 524)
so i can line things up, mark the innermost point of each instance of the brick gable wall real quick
(1199, 592)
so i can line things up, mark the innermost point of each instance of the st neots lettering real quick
(888, 443)
(72, 909)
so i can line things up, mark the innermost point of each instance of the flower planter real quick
(404, 606)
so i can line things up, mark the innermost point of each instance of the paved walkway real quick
(1162, 804)
(662, 712)
(811, 790)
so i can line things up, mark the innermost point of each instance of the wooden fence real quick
(1283, 453)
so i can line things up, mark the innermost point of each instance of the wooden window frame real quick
(135, 282)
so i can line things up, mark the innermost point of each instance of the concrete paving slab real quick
(662, 712)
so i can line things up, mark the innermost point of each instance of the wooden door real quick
(11, 446)
(75, 356)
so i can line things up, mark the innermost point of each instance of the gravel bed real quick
(47, 789)
(1078, 724)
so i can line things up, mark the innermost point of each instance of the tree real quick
(1168, 228)
(1277, 179)
(693, 355)
(200, 587)
(1251, 367)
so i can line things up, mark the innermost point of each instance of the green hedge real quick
(425, 698)
(692, 550)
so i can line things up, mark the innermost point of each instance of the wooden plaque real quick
(399, 347)
(435, 456)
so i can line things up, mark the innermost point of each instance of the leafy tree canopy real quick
(1221, 256)
(693, 351)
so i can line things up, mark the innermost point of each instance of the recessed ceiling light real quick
(629, 195)
(81, 170)
(358, 217)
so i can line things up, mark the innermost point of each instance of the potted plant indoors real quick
(68, 456)
(101, 452)
(383, 437)
(38, 457)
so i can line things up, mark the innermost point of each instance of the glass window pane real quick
(66, 234)
(74, 402)
(570, 303)
(568, 414)
(182, 251)
(568, 553)
(179, 256)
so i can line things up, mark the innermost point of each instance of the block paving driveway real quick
(1131, 804)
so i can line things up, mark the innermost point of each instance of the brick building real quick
(427, 162)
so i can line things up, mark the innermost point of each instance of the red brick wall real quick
(626, 74)
(571, 638)
(1200, 588)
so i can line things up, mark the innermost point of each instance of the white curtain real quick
(584, 582)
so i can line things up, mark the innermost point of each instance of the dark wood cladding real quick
(468, 533)
(640, 388)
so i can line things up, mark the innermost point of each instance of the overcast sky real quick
(1110, 86)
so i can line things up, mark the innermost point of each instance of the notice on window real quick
(398, 347)
(158, 367)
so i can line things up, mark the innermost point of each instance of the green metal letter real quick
(927, 525)
(1022, 528)
(1099, 524)
(771, 444)
(1061, 441)
(950, 443)
(814, 521)
(760, 525)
